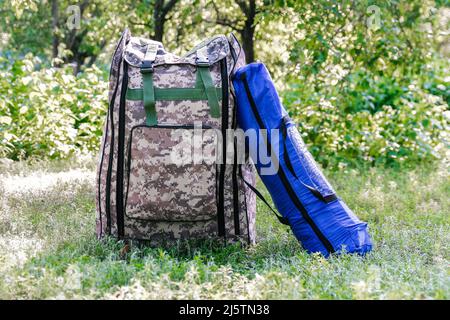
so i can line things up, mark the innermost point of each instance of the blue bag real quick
(319, 219)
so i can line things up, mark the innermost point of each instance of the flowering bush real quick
(340, 131)
(48, 112)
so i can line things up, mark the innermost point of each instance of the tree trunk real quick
(158, 20)
(248, 45)
(160, 11)
(248, 32)
(158, 31)
(55, 23)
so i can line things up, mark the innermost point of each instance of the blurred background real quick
(367, 81)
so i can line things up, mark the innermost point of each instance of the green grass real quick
(49, 250)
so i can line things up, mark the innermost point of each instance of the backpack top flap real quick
(216, 47)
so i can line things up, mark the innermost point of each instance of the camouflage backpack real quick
(142, 194)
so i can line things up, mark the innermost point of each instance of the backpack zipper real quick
(282, 174)
(111, 154)
(225, 114)
(202, 44)
(120, 154)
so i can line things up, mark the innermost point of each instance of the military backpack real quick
(156, 100)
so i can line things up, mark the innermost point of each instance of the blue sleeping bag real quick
(319, 219)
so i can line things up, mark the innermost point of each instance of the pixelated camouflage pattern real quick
(111, 227)
(115, 80)
(188, 192)
(168, 232)
(160, 189)
(116, 62)
(246, 197)
(168, 75)
(217, 48)
(170, 112)
(136, 48)
(239, 53)
(248, 201)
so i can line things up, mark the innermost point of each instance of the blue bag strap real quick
(280, 218)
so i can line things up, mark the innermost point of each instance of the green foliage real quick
(79, 31)
(49, 113)
(383, 124)
(367, 83)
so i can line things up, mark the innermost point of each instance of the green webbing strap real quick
(208, 84)
(210, 89)
(149, 99)
(172, 94)
(204, 86)
(149, 90)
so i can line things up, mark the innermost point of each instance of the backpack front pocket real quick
(171, 174)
